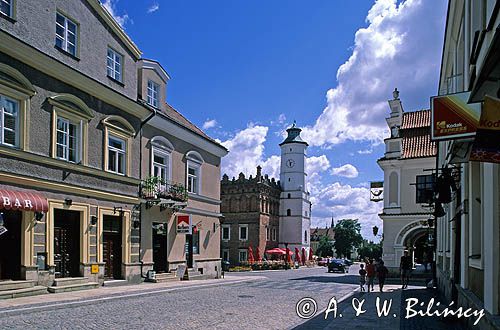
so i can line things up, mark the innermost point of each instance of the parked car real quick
(348, 262)
(338, 265)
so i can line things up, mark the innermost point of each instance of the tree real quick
(347, 237)
(325, 247)
(370, 250)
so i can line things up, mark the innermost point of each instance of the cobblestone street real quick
(266, 301)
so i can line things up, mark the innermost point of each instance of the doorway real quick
(160, 253)
(10, 245)
(112, 246)
(189, 250)
(67, 243)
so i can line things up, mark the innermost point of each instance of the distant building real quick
(407, 163)
(318, 233)
(251, 215)
(265, 213)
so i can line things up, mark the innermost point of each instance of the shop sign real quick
(184, 224)
(486, 146)
(453, 117)
(94, 269)
(3, 230)
(376, 191)
(28, 201)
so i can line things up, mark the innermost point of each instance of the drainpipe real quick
(434, 269)
(144, 122)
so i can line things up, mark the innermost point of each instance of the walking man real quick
(405, 267)
(370, 273)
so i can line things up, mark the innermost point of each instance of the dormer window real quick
(153, 92)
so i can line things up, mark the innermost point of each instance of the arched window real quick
(193, 172)
(393, 189)
(161, 158)
(288, 212)
(289, 195)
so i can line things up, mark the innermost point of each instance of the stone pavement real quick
(396, 317)
(104, 292)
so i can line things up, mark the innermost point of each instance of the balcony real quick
(156, 192)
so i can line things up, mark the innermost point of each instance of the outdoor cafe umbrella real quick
(303, 256)
(288, 253)
(250, 255)
(310, 253)
(259, 258)
(297, 255)
(275, 251)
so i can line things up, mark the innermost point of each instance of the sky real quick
(243, 71)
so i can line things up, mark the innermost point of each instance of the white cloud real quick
(110, 7)
(346, 202)
(365, 151)
(388, 53)
(246, 150)
(271, 166)
(154, 7)
(209, 123)
(346, 171)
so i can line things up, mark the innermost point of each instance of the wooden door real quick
(160, 257)
(67, 243)
(112, 246)
(10, 246)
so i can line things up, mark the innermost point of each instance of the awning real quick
(25, 201)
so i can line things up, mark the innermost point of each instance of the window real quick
(243, 255)
(288, 212)
(268, 233)
(289, 196)
(153, 89)
(193, 179)
(6, 7)
(425, 188)
(67, 143)
(225, 255)
(274, 234)
(196, 241)
(226, 232)
(305, 236)
(114, 65)
(66, 34)
(161, 165)
(116, 155)
(243, 232)
(9, 121)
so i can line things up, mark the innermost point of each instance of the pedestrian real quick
(362, 277)
(405, 267)
(382, 272)
(424, 260)
(370, 273)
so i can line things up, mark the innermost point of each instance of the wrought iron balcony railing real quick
(154, 188)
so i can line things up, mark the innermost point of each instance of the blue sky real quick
(244, 70)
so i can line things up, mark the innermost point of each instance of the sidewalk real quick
(49, 300)
(395, 319)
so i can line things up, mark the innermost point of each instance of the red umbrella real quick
(297, 255)
(288, 253)
(250, 255)
(275, 251)
(285, 251)
(303, 256)
(259, 258)
(310, 253)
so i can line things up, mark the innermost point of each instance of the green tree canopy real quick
(347, 237)
(325, 247)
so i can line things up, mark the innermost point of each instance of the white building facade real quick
(295, 206)
(407, 164)
(468, 235)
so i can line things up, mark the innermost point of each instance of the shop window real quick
(196, 241)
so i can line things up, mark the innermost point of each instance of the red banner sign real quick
(453, 117)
